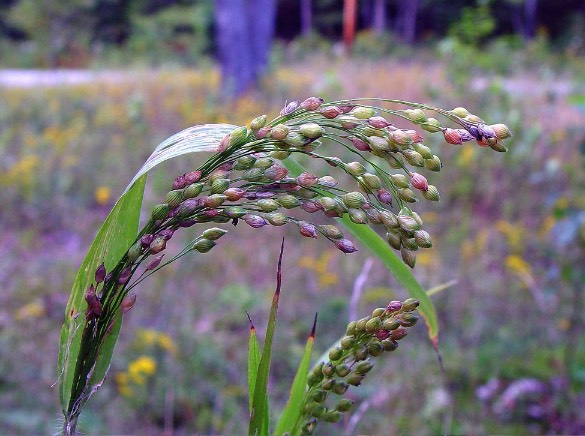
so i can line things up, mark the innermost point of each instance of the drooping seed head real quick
(306, 180)
(348, 122)
(424, 151)
(312, 103)
(214, 233)
(203, 245)
(460, 112)
(370, 181)
(276, 218)
(279, 132)
(354, 199)
(363, 113)
(355, 379)
(344, 405)
(357, 216)
(373, 325)
(391, 323)
(124, 276)
(127, 303)
(384, 196)
(401, 137)
(389, 344)
(328, 182)
(414, 136)
(330, 232)
(432, 125)
(423, 239)
(378, 145)
(238, 136)
(432, 193)
(173, 198)
(311, 130)
(378, 122)
(254, 221)
(407, 194)
(179, 182)
(218, 186)
(433, 164)
(157, 245)
(394, 240)
(410, 304)
(465, 135)
(234, 194)
(258, 122)
(307, 230)
(289, 108)
(330, 112)
(311, 206)
(193, 176)
(154, 263)
(501, 131)
(345, 246)
(288, 201)
(192, 190)
(394, 306)
(359, 144)
(417, 116)
(419, 182)
(100, 273)
(399, 333)
(452, 136)
(135, 251)
(408, 257)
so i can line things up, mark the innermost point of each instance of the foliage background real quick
(509, 228)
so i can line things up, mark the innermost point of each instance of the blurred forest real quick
(74, 33)
(509, 230)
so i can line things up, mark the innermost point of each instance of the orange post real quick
(349, 23)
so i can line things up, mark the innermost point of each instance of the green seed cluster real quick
(352, 360)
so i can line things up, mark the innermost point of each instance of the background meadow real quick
(508, 234)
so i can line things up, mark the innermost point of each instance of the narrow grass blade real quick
(294, 407)
(116, 234)
(253, 361)
(380, 248)
(260, 414)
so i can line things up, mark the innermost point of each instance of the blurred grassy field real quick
(508, 229)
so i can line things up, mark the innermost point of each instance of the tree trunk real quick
(306, 17)
(244, 35)
(530, 19)
(406, 20)
(349, 23)
(379, 17)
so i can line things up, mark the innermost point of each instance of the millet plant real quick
(253, 179)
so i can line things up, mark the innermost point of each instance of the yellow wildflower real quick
(34, 309)
(102, 195)
(518, 265)
(141, 368)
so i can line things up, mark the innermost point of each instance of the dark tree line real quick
(241, 31)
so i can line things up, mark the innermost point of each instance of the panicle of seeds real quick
(349, 363)
(246, 181)
(250, 183)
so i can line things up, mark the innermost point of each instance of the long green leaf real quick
(370, 239)
(294, 406)
(113, 239)
(260, 414)
(116, 234)
(253, 362)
